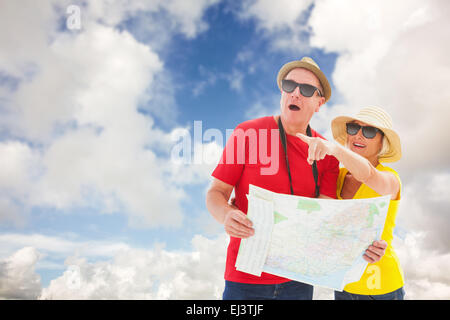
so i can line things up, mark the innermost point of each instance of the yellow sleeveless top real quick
(385, 275)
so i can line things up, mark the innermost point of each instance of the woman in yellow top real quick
(366, 140)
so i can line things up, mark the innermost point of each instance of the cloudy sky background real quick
(93, 204)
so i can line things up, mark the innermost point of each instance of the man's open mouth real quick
(293, 107)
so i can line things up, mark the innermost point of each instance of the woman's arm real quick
(383, 182)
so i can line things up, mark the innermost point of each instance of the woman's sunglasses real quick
(306, 90)
(368, 131)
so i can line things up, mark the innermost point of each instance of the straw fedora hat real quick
(311, 65)
(376, 117)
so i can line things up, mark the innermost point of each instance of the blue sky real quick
(89, 115)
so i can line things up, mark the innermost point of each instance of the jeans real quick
(398, 294)
(291, 290)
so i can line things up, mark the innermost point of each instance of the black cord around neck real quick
(314, 165)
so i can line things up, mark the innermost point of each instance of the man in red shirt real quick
(253, 155)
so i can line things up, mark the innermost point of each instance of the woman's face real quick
(368, 148)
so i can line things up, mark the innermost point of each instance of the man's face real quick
(295, 108)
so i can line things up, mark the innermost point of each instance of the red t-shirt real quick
(260, 161)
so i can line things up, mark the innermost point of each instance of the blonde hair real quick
(384, 147)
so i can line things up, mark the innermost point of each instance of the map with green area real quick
(308, 205)
(315, 241)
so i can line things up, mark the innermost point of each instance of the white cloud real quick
(16, 165)
(272, 17)
(188, 14)
(129, 273)
(35, 22)
(235, 79)
(209, 78)
(59, 246)
(185, 17)
(18, 279)
(283, 22)
(146, 274)
(425, 269)
(104, 138)
(426, 209)
(83, 142)
(11, 213)
(19, 166)
(89, 144)
(72, 81)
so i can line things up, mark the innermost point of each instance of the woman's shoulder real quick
(389, 169)
(382, 167)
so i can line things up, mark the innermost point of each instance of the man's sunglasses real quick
(306, 90)
(368, 131)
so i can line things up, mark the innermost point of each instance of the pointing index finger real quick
(304, 138)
